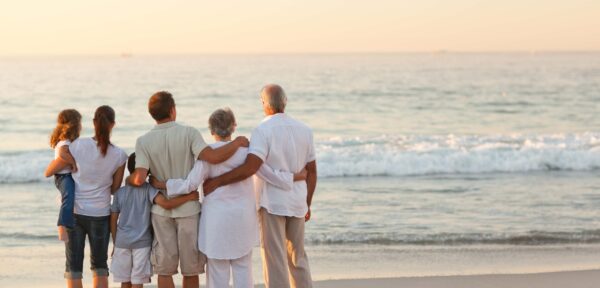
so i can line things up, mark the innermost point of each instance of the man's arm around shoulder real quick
(218, 155)
(250, 166)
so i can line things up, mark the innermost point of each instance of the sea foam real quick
(406, 155)
(452, 154)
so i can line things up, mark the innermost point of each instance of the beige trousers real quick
(282, 249)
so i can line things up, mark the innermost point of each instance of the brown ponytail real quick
(104, 118)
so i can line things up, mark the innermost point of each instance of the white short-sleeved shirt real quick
(94, 176)
(284, 144)
(56, 155)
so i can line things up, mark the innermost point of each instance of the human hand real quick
(157, 184)
(300, 176)
(73, 168)
(209, 186)
(242, 141)
(307, 216)
(193, 196)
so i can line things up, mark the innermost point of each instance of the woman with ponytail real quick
(101, 166)
(104, 120)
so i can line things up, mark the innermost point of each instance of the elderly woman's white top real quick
(229, 222)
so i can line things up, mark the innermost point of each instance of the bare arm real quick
(300, 176)
(117, 179)
(55, 166)
(311, 180)
(169, 204)
(218, 155)
(311, 184)
(250, 166)
(114, 216)
(65, 155)
(138, 177)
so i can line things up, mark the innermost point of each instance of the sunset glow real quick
(268, 26)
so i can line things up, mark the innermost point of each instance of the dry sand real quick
(571, 279)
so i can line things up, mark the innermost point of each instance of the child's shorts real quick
(131, 265)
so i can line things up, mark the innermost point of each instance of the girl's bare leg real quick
(101, 282)
(74, 283)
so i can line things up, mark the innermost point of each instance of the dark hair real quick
(103, 119)
(68, 124)
(160, 105)
(131, 163)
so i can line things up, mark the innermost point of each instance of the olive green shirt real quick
(169, 151)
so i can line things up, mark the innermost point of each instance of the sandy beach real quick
(571, 279)
(356, 266)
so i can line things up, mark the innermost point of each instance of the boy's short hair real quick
(160, 105)
(131, 163)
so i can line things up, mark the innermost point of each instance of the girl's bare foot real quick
(62, 234)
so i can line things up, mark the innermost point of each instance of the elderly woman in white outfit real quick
(229, 223)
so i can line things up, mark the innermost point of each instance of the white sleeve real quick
(184, 186)
(259, 145)
(281, 179)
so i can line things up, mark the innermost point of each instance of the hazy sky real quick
(282, 26)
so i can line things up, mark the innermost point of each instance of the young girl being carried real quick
(68, 127)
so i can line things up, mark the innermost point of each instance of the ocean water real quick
(450, 150)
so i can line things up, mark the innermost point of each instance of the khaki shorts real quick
(176, 242)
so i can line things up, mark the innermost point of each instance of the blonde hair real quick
(68, 124)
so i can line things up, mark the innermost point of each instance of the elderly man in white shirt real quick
(285, 144)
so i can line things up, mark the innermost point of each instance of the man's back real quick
(284, 144)
(169, 151)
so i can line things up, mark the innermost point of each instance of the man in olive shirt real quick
(169, 150)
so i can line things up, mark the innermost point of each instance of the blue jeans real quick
(65, 184)
(98, 232)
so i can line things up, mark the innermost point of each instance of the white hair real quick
(275, 97)
(222, 122)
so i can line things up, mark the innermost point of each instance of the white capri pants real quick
(218, 271)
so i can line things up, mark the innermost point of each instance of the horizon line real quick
(439, 51)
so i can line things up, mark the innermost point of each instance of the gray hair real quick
(274, 96)
(222, 122)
